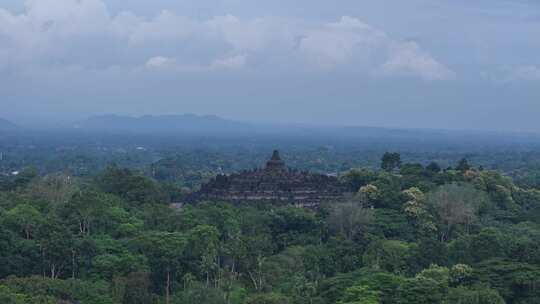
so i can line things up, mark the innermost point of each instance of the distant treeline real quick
(189, 160)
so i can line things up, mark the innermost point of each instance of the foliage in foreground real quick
(411, 234)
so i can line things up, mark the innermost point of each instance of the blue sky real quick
(423, 64)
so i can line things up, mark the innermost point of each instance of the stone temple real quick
(275, 183)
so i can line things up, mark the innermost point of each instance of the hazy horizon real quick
(143, 127)
(452, 65)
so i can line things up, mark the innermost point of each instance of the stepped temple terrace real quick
(274, 183)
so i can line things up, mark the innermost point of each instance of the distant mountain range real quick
(7, 125)
(189, 125)
(164, 124)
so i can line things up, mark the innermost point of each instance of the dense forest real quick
(409, 233)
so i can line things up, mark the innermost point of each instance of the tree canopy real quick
(408, 233)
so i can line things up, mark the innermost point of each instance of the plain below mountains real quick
(193, 126)
(163, 124)
(6, 125)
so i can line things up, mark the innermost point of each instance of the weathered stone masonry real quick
(274, 183)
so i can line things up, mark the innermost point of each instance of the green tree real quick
(203, 243)
(58, 247)
(357, 178)
(164, 251)
(87, 208)
(26, 218)
(418, 212)
(136, 189)
(439, 274)
(134, 288)
(268, 298)
(433, 167)
(515, 282)
(388, 255)
(390, 161)
(463, 165)
(24, 177)
(109, 266)
(200, 293)
(380, 286)
(359, 294)
(460, 274)
(421, 290)
(349, 219)
(480, 295)
(254, 253)
(7, 296)
(55, 189)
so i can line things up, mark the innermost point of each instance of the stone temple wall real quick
(274, 183)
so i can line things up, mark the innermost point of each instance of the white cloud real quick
(408, 58)
(255, 35)
(234, 62)
(165, 27)
(68, 17)
(171, 64)
(350, 39)
(83, 33)
(160, 62)
(338, 43)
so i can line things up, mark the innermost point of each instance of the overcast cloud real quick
(438, 64)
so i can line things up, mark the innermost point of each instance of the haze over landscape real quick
(414, 64)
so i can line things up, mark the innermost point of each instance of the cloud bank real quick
(84, 34)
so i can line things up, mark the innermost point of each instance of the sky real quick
(450, 64)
